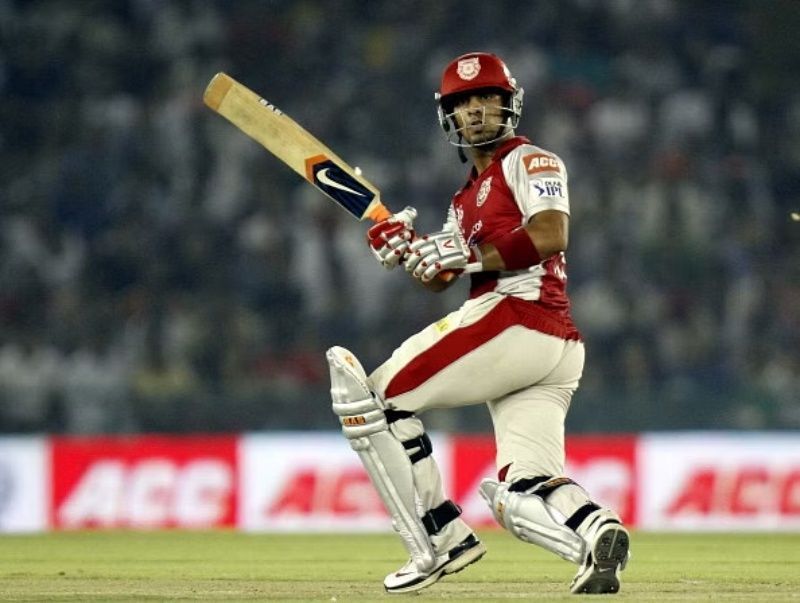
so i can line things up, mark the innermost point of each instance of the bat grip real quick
(379, 213)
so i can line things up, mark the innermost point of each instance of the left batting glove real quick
(441, 251)
(390, 239)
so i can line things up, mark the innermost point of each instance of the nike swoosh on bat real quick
(328, 181)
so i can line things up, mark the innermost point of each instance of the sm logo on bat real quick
(338, 184)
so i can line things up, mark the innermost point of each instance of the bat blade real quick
(295, 146)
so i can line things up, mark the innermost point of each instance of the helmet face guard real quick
(474, 73)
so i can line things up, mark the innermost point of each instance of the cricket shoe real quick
(607, 554)
(409, 579)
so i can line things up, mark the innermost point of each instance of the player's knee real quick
(360, 412)
(360, 418)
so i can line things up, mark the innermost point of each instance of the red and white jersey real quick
(522, 180)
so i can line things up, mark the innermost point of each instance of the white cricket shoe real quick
(607, 556)
(408, 579)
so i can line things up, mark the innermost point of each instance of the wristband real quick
(517, 250)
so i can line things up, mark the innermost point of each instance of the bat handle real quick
(380, 212)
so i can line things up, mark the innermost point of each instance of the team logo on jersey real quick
(536, 163)
(468, 69)
(483, 191)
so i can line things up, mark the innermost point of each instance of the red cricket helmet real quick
(474, 71)
(471, 72)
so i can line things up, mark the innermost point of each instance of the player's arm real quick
(545, 234)
(538, 181)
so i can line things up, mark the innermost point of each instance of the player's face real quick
(480, 117)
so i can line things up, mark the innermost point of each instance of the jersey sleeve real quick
(537, 179)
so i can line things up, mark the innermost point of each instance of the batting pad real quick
(383, 456)
(529, 518)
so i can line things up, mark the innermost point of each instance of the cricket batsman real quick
(512, 345)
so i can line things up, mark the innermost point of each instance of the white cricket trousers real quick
(483, 353)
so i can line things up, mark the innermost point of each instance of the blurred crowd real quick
(161, 272)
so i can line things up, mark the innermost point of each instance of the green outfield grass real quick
(228, 566)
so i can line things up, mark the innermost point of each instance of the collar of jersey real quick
(503, 150)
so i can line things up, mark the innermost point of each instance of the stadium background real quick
(160, 273)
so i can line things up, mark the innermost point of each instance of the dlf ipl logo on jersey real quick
(468, 69)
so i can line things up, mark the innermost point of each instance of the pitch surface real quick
(228, 566)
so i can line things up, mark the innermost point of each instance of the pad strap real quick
(435, 519)
(423, 444)
(523, 485)
(542, 486)
(393, 415)
(578, 516)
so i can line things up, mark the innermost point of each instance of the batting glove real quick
(439, 251)
(390, 239)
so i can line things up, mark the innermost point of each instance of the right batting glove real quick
(443, 251)
(389, 239)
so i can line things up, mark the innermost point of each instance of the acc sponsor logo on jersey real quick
(536, 163)
(483, 191)
(468, 69)
(548, 188)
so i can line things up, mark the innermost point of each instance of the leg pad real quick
(531, 519)
(382, 454)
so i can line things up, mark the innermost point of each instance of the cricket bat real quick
(291, 143)
(296, 147)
